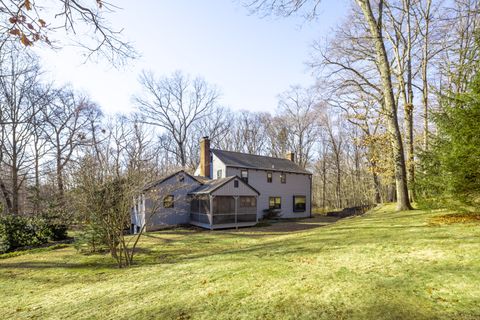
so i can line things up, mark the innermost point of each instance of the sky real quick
(251, 59)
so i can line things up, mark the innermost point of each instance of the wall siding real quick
(229, 189)
(297, 185)
(180, 213)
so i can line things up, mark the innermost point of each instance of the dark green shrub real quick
(17, 232)
(91, 239)
(58, 232)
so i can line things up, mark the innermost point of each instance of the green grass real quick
(384, 265)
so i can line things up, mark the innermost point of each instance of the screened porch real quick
(220, 211)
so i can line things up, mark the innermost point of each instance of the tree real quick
(19, 81)
(444, 178)
(34, 21)
(175, 104)
(300, 110)
(67, 125)
(374, 20)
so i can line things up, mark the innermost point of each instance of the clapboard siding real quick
(180, 213)
(229, 189)
(296, 185)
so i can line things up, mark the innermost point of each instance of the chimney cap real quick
(205, 137)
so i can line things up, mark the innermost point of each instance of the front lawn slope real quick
(383, 265)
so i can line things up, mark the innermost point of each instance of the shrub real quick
(272, 213)
(91, 239)
(17, 232)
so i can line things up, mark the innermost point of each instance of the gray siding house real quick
(228, 189)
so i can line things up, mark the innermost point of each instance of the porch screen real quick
(223, 205)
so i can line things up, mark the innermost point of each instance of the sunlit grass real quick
(384, 265)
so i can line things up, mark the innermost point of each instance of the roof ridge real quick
(252, 154)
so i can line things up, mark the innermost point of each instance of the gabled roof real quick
(212, 185)
(163, 179)
(252, 161)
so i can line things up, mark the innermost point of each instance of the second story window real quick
(219, 174)
(283, 177)
(235, 184)
(269, 177)
(244, 175)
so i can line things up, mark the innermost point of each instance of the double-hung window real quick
(269, 176)
(283, 177)
(244, 175)
(275, 203)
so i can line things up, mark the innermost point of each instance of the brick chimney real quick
(205, 157)
(290, 156)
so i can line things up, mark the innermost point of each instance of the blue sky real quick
(251, 59)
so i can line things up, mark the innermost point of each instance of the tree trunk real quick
(403, 202)
(6, 197)
(409, 107)
(424, 75)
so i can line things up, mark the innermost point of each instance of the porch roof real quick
(212, 185)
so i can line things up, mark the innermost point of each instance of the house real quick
(228, 189)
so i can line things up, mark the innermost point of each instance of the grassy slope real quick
(383, 265)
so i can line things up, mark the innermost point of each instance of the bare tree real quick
(175, 104)
(19, 79)
(67, 123)
(32, 21)
(301, 109)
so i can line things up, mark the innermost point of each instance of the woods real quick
(359, 128)
(252, 159)
(370, 128)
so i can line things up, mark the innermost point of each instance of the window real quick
(219, 174)
(244, 175)
(168, 201)
(299, 203)
(181, 178)
(275, 203)
(269, 177)
(283, 177)
(248, 202)
(235, 183)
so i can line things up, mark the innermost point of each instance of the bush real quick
(58, 232)
(92, 239)
(17, 232)
(272, 213)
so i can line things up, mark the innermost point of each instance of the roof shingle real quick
(252, 161)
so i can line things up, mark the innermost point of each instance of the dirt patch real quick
(451, 218)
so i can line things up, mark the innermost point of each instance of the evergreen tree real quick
(450, 171)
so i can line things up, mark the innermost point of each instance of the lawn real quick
(383, 265)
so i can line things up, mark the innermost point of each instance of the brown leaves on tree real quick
(27, 32)
(27, 5)
(25, 41)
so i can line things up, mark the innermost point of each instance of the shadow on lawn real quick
(56, 264)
